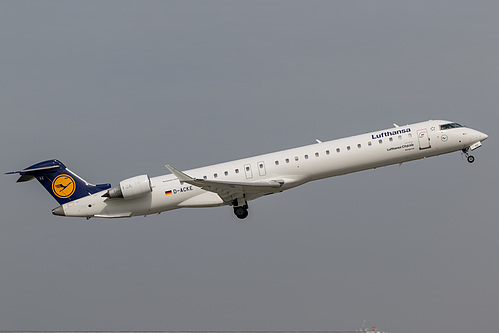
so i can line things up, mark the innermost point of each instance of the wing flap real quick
(114, 216)
(228, 191)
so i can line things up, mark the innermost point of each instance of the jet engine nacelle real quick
(131, 188)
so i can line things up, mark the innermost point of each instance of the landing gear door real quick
(424, 139)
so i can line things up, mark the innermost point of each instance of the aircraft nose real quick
(58, 211)
(476, 136)
(483, 136)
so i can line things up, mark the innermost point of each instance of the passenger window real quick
(237, 170)
(204, 177)
(348, 147)
(247, 168)
(306, 157)
(337, 150)
(327, 152)
(287, 160)
(276, 162)
(261, 165)
(359, 146)
(400, 137)
(226, 173)
(380, 141)
(296, 158)
(391, 139)
(215, 175)
(316, 154)
(369, 143)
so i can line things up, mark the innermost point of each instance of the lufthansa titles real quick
(405, 146)
(390, 133)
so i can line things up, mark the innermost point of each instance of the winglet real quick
(179, 174)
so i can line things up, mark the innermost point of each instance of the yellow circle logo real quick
(63, 186)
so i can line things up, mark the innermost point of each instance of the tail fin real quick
(60, 182)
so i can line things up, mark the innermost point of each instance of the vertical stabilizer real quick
(59, 181)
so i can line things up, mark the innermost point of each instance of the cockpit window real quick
(449, 126)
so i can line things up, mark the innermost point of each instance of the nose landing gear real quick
(469, 157)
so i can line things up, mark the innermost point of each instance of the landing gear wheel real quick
(241, 212)
(470, 158)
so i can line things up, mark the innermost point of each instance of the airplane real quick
(236, 182)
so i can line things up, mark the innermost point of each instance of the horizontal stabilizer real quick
(28, 174)
(36, 170)
(25, 178)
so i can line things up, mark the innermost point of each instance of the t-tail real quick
(59, 181)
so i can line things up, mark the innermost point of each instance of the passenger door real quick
(424, 139)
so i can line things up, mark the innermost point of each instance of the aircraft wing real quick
(228, 191)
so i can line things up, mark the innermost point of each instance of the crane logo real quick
(63, 186)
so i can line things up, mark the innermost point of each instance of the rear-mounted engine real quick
(131, 188)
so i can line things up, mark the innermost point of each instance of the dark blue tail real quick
(59, 181)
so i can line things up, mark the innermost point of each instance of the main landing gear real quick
(240, 208)
(469, 157)
(241, 212)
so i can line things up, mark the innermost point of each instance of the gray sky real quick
(120, 88)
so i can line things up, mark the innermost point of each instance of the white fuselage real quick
(291, 167)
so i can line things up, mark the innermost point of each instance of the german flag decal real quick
(168, 192)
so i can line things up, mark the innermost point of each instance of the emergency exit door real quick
(247, 171)
(261, 168)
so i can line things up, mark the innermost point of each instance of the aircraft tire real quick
(241, 212)
(471, 159)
